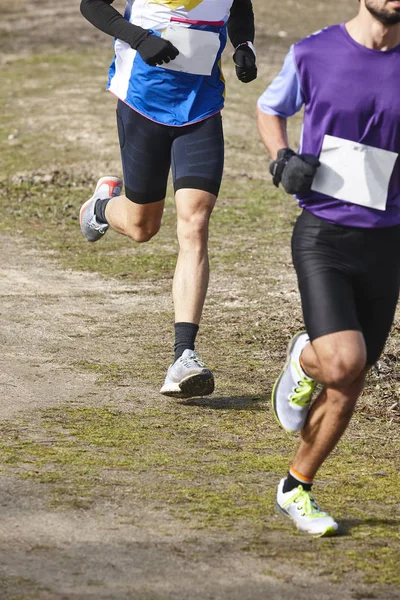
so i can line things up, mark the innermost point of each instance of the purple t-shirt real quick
(351, 92)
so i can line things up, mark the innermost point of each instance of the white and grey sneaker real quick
(107, 187)
(292, 392)
(300, 506)
(188, 377)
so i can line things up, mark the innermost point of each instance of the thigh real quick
(378, 289)
(198, 156)
(328, 301)
(325, 282)
(376, 318)
(146, 155)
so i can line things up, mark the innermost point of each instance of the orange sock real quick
(294, 479)
(302, 366)
(299, 476)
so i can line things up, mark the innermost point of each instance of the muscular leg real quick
(140, 222)
(194, 208)
(146, 158)
(188, 376)
(335, 359)
(349, 284)
(338, 361)
(327, 421)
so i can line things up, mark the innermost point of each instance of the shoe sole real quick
(201, 384)
(277, 382)
(328, 532)
(83, 208)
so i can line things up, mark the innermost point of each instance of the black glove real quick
(156, 50)
(295, 171)
(245, 61)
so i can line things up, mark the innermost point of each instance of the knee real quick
(193, 230)
(142, 233)
(341, 370)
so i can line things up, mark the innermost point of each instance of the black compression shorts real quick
(349, 279)
(149, 149)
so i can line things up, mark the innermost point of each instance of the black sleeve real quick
(106, 18)
(241, 22)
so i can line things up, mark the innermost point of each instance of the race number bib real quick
(354, 172)
(197, 49)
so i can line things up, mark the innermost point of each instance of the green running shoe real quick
(301, 507)
(292, 392)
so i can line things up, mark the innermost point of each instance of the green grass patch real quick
(46, 210)
(216, 469)
(45, 113)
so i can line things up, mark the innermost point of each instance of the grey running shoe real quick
(301, 507)
(188, 377)
(107, 187)
(292, 392)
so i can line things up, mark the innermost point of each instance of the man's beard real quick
(385, 17)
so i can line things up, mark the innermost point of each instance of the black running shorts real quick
(348, 278)
(149, 149)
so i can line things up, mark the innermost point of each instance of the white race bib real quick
(197, 49)
(354, 172)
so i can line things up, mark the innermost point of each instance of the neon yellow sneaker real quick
(301, 507)
(292, 392)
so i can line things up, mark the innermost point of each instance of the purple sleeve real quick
(284, 96)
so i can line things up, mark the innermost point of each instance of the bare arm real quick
(295, 171)
(273, 132)
(282, 99)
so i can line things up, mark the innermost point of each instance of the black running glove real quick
(245, 61)
(295, 171)
(155, 50)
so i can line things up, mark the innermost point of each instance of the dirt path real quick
(48, 318)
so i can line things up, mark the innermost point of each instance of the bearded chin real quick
(386, 18)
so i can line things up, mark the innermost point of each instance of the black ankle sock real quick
(291, 483)
(100, 210)
(185, 336)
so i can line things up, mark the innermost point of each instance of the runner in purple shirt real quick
(346, 241)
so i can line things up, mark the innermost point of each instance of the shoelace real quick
(301, 395)
(306, 503)
(192, 358)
